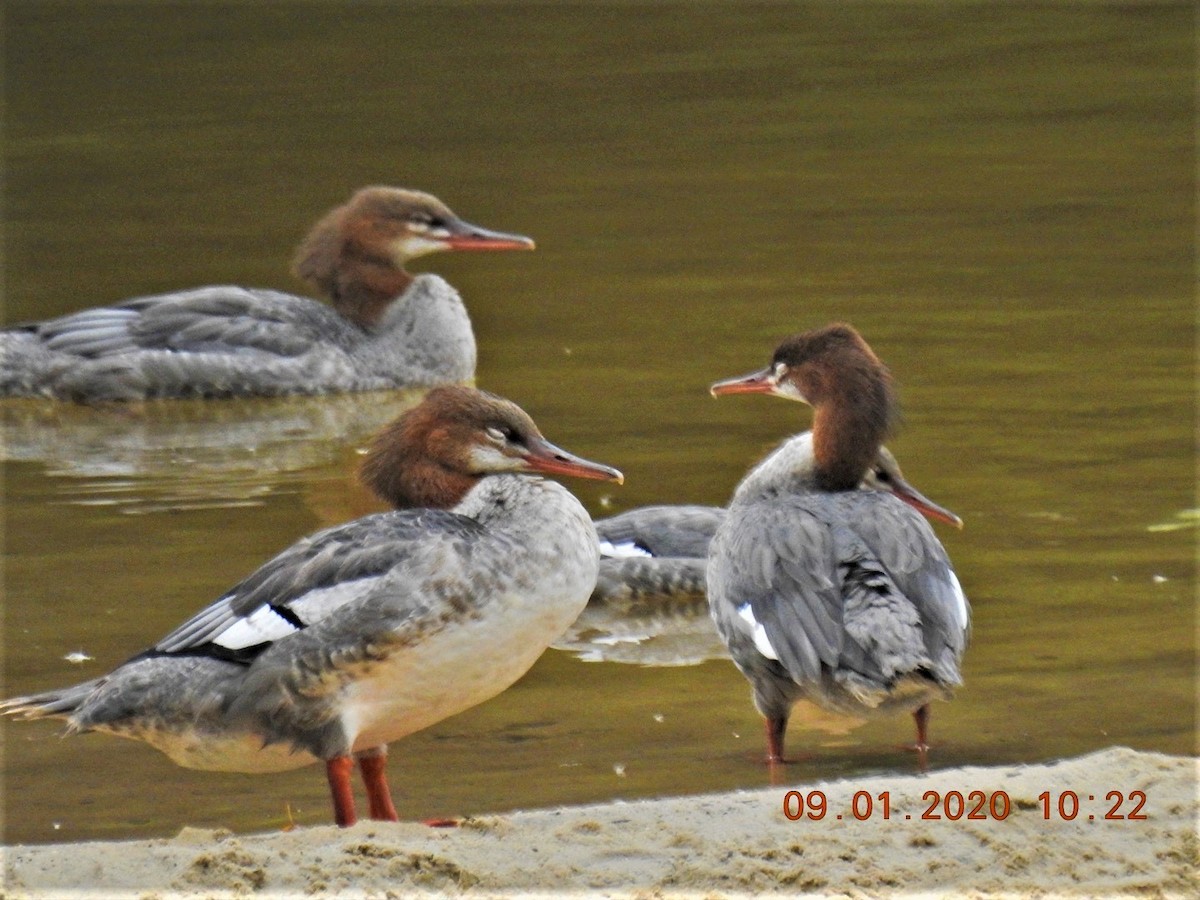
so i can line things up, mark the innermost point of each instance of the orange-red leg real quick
(379, 796)
(776, 728)
(337, 770)
(921, 717)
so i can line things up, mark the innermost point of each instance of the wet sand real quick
(714, 845)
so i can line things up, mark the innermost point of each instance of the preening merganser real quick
(822, 591)
(386, 329)
(369, 631)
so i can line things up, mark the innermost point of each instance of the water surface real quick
(1001, 199)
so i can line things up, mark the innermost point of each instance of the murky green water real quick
(1000, 198)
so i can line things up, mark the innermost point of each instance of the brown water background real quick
(999, 196)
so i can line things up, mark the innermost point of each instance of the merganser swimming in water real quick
(650, 605)
(369, 631)
(822, 591)
(386, 329)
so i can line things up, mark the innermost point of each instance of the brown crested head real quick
(853, 398)
(855, 408)
(355, 255)
(823, 364)
(434, 453)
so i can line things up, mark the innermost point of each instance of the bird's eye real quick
(424, 217)
(425, 223)
(882, 475)
(502, 434)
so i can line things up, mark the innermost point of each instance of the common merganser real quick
(824, 592)
(387, 328)
(369, 631)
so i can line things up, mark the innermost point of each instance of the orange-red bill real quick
(548, 459)
(761, 382)
(465, 236)
(922, 504)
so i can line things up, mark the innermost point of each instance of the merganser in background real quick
(821, 591)
(369, 631)
(387, 328)
(650, 605)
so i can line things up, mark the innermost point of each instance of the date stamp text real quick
(1064, 806)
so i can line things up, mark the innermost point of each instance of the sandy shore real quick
(715, 845)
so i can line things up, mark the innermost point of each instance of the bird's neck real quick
(366, 287)
(848, 430)
(425, 484)
(408, 479)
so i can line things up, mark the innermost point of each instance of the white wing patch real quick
(960, 599)
(760, 633)
(627, 550)
(262, 625)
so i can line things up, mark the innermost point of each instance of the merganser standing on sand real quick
(369, 631)
(386, 329)
(822, 591)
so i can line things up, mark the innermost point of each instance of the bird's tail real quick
(60, 704)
